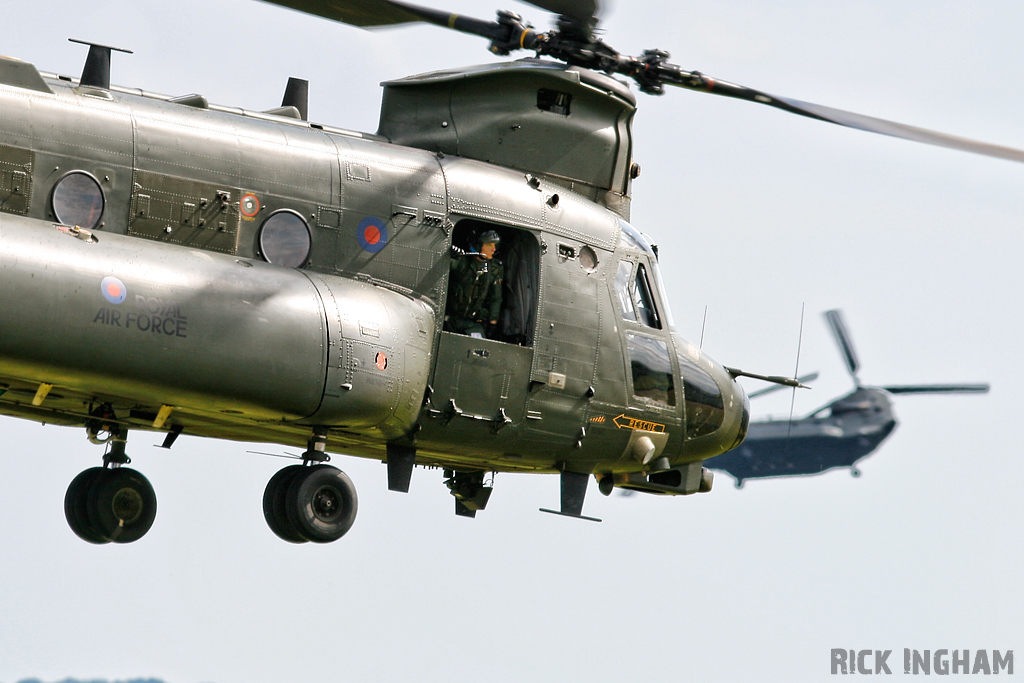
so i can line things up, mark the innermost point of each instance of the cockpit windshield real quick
(631, 238)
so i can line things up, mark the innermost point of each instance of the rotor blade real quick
(375, 13)
(364, 13)
(697, 81)
(938, 389)
(803, 379)
(901, 130)
(477, 27)
(577, 9)
(835, 321)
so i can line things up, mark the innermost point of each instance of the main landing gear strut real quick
(312, 501)
(113, 503)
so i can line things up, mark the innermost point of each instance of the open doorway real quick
(493, 295)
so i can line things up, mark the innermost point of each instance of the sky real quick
(758, 214)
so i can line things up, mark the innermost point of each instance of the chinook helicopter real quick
(184, 244)
(838, 434)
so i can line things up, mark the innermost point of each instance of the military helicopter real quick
(258, 276)
(838, 434)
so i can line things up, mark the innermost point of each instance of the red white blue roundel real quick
(372, 234)
(113, 289)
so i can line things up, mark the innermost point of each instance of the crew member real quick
(474, 288)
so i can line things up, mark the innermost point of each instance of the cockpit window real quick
(631, 238)
(705, 409)
(645, 306)
(622, 288)
(666, 311)
(651, 367)
(636, 296)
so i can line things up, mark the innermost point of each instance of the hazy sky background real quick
(756, 212)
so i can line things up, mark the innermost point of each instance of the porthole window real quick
(78, 200)
(285, 239)
(588, 259)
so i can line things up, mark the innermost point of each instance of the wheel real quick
(274, 504)
(122, 505)
(321, 503)
(76, 506)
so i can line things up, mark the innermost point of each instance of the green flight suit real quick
(474, 294)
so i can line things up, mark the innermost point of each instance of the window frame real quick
(262, 230)
(99, 187)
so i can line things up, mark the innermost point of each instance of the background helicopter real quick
(796, 209)
(838, 434)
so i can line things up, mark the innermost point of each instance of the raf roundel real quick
(372, 234)
(113, 290)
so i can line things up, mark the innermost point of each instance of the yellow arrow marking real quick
(624, 422)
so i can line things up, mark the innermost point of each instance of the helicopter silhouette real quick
(258, 276)
(839, 434)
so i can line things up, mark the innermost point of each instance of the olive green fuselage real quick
(168, 313)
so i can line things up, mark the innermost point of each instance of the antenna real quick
(796, 372)
(702, 326)
(97, 64)
(296, 94)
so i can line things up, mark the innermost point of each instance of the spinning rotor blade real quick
(573, 42)
(835, 321)
(849, 119)
(363, 13)
(580, 10)
(506, 34)
(938, 389)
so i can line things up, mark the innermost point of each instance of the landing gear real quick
(316, 503)
(110, 504)
(310, 502)
(274, 504)
(574, 490)
(122, 505)
(76, 506)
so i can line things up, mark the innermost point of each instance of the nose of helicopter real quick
(737, 407)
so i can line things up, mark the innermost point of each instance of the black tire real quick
(76, 506)
(321, 503)
(274, 504)
(122, 505)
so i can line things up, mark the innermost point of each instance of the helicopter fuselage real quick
(253, 276)
(837, 435)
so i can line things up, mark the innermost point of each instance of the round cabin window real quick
(285, 239)
(78, 200)
(588, 259)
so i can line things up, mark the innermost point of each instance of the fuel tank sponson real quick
(208, 332)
